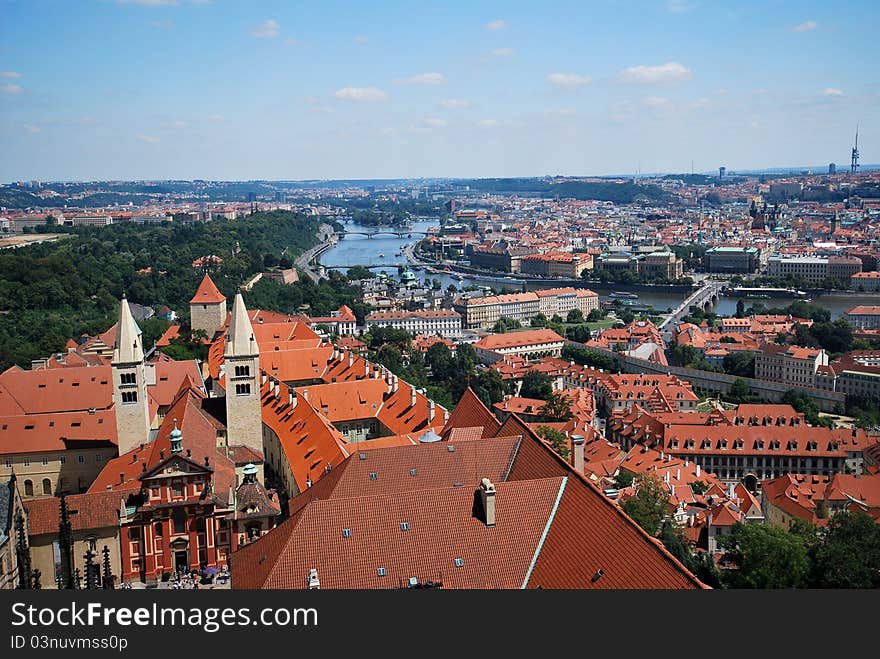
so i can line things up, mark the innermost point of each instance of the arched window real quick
(29, 488)
(47, 486)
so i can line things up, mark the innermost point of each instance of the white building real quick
(442, 322)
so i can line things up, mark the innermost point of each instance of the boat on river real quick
(623, 295)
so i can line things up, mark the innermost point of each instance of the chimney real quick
(350, 358)
(430, 411)
(395, 385)
(698, 471)
(487, 496)
(412, 396)
(291, 399)
(366, 369)
(578, 444)
(314, 583)
(305, 394)
(445, 417)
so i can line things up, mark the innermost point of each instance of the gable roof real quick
(442, 527)
(91, 510)
(436, 465)
(471, 412)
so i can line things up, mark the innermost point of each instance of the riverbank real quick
(326, 236)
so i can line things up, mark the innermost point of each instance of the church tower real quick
(207, 309)
(244, 419)
(129, 383)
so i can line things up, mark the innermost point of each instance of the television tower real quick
(855, 153)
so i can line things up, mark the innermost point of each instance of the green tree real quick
(557, 408)
(649, 506)
(623, 479)
(848, 552)
(359, 272)
(488, 386)
(595, 315)
(556, 439)
(741, 363)
(536, 384)
(575, 316)
(765, 556)
(739, 390)
(740, 309)
(539, 321)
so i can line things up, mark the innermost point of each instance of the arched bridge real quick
(400, 233)
(706, 297)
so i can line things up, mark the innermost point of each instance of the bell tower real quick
(129, 383)
(244, 420)
(207, 309)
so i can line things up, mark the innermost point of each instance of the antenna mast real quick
(855, 153)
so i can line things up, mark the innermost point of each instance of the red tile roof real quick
(442, 527)
(91, 510)
(471, 412)
(207, 293)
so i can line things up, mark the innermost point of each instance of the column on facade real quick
(193, 542)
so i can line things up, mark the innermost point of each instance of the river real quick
(383, 251)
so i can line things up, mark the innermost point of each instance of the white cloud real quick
(202, 2)
(806, 26)
(455, 103)
(502, 52)
(568, 80)
(562, 112)
(701, 104)
(148, 139)
(488, 123)
(423, 79)
(268, 29)
(10, 74)
(10, 89)
(179, 123)
(31, 128)
(361, 39)
(162, 25)
(321, 109)
(436, 123)
(652, 75)
(496, 25)
(290, 41)
(361, 94)
(831, 91)
(215, 117)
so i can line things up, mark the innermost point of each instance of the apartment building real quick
(789, 364)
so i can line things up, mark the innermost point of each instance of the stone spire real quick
(128, 348)
(240, 341)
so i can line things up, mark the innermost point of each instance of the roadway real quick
(327, 239)
(698, 298)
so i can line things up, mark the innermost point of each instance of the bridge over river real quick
(706, 297)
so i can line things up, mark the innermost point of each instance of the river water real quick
(386, 252)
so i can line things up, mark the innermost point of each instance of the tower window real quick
(129, 397)
(243, 389)
(242, 371)
(128, 378)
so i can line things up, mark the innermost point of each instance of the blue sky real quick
(222, 89)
